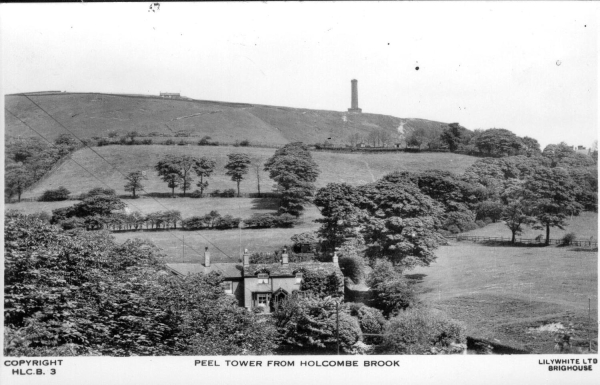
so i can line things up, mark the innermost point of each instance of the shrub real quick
(371, 320)
(480, 223)
(352, 267)
(453, 229)
(245, 143)
(392, 292)
(229, 193)
(464, 220)
(98, 191)
(487, 220)
(169, 142)
(261, 221)
(215, 193)
(72, 223)
(113, 134)
(422, 331)
(60, 194)
(182, 143)
(182, 133)
(103, 142)
(568, 238)
(227, 222)
(489, 209)
(194, 223)
(196, 194)
(146, 141)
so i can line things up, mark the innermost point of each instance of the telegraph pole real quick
(337, 326)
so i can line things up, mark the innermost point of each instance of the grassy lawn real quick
(355, 169)
(584, 226)
(505, 293)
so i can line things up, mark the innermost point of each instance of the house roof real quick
(229, 270)
(281, 270)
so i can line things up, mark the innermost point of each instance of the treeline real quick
(26, 161)
(99, 209)
(400, 216)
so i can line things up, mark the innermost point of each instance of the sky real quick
(531, 67)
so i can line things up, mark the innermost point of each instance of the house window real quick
(263, 279)
(298, 278)
(261, 300)
(228, 287)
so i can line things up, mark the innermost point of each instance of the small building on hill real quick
(258, 285)
(170, 95)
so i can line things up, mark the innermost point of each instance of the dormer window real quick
(298, 278)
(263, 279)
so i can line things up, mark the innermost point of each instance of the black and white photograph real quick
(308, 192)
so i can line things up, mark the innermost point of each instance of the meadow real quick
(86, 169)
(510, 295)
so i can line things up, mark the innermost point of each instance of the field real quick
(585, 226)
(506, 294)
(355, 169)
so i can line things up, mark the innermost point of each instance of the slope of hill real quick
(90, 115)
(354, 169)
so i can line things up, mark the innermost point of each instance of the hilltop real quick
(90, 115)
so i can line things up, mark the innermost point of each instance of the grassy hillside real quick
(91, 114)
(355, 169)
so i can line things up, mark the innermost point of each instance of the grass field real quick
(507, 293)
(355, 169)
(585, 226)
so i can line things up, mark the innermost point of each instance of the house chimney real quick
(284, 257)
(335, 256)
(206, 257)
(246, 258)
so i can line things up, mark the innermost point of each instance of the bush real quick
(227, 222)
(194, 223)
(169, 142)
(371, 320)
(487, 220)
(182, 133)
(103, 142)
(463, 220)
(422, 331)
(453, 229)
(196, 194)
(229, 193)
(262, 221)
(182, 143)
(489, 209)
(60, 194)
(352, 267)
(72, 223)
(113, 134)
(568, 238)
(98, 191)
(245, 143)
(392, 292)
(146, 141)
(480, 223)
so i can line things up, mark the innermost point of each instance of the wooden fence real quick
(527, 241)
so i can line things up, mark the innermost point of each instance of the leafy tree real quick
(454, 135)
(338, 204)
(17, 179)
(553, 193)
(311, 322)
(499, 142)
(59, 194)
(371, 320)
(204, 168)
(170, 171)
(355, 139)
(237, 167)
(134, 181)
(401, 225)
(517, 211)
(132, 135)
(295, 173)
(531, 146)
(489, 209)
(391, 290)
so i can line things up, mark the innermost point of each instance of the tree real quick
(531, 146)
(17, 179)
(553, 193)
(517, 212)
(355, 139)
(169, 170)
(295, 173)
(134, 181)
(499, 142)
(338, 204)
(401, 223)
(237, 167)
(204, 168)
(391, 291)
(312, 322)
(454, 135)
(132, 135)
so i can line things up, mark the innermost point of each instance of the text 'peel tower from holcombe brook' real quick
(354, 104)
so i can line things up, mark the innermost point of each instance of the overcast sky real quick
(529, 67)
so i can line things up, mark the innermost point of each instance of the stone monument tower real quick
(354, 106)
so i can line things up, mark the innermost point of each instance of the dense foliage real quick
(295, 173)
(59, 194)
(74, 293)
(237, 167)
(391, 291)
